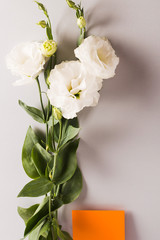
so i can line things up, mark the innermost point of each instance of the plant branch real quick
(40, 94)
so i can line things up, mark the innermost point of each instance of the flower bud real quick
(71, 4)
(42, 23)
(40, 5)
(49, 47)
(57, 113)
(81, 22)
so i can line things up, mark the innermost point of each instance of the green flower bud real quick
(40, 5)
(71, 4)
(49, 48)
(42, 23)
(81, 22)
(57, 113)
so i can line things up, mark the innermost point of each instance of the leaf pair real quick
(70, 129)
(37, 215)
(34, 157)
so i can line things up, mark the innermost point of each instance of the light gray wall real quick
(119, 153)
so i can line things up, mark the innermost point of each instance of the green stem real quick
(50, 197)
(50, 214)
(40, 94)
(53, 129)
(60, 134)
(47, 148)
(54, 165)
(47, 118)
(57, 191)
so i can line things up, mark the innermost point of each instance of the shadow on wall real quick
(67, 35)
(101, 18)
(131, 233)
(131, 86)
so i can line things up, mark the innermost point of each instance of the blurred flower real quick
(49, 47)
(72, 88)
(27, 61)
(98, 56)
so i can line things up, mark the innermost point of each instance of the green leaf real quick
(30, 140)
(50, 139)
(70, 133)
(41, 214)
(69, 130)
(45, 229)
(50, 121)
(34, 235)
(40, 158)
(36, 188)
(71, 189)
(66, 163)
(26, 213)
(63, 235)
(35, 113)
(49, 236)
(42, 238)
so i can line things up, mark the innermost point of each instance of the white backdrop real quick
(119, 153)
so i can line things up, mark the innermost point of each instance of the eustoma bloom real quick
(72, 88)
(98, 56)
(26, 61)
(49, 47)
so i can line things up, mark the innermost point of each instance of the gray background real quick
(119, 152)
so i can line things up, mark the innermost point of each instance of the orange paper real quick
(101, 225)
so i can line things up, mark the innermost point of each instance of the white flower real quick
(72, 88)
(98, 56)
(49, 47)
(27, 61)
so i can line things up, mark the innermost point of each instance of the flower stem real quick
(60, 134)
(53, 130)
(40, 94)
(50, 215)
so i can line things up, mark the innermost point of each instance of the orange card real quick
(101, 225)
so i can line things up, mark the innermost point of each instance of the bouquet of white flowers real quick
(70, 86)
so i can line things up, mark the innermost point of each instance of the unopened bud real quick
(49, 47)
(40, 5)
(42, 23)
(71, 4)
(57, 113)
(81, 22)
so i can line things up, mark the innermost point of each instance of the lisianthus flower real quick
(26, 61)
(72, 88)
(98, 56)
(49, 47)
